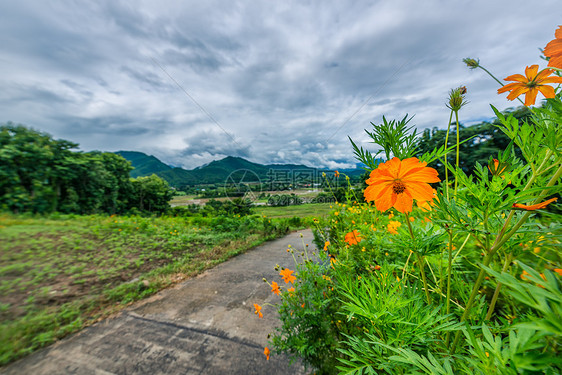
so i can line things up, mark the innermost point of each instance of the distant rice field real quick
(304, 210)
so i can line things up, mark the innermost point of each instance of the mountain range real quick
(218, 171)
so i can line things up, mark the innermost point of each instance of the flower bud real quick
(456, 98)
(471, 63)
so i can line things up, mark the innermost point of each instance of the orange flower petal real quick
(531, 71)
(531, 96)
(556, 61)
(385, 202)
(516, 77)
(533, 207)
(543, 74)
(558, 33)
(553, 47)
(516, 91)
(552, 80)
(547, 91)
(420, 191)
(509, 87)
(404, 202)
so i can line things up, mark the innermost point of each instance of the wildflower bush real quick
(439, 274)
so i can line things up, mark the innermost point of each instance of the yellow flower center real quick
(398, 187)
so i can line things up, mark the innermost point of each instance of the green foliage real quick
(309, 321)
(478, 143)
(393, 137)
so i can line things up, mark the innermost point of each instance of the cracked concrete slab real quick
(205, 325)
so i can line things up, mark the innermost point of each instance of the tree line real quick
(481, 141)
(40, 174)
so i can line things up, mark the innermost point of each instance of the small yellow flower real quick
(393, 226)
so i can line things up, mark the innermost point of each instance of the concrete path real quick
(205, 325)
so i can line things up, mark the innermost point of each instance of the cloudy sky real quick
(271, 81)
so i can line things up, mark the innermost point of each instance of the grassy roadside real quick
(60, 274)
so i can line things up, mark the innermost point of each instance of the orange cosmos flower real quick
(397, 183)
(337, 173)
(533, 207)
(326, 244)
(530, 84)
(275, 288)
(291, 290)
(353, 238)
(258, 310)
(558, 271)
(553, 50)
(266, 351)
(287, 276)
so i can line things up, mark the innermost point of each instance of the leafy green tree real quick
(41, 174)
(151, 194)
(31, 168)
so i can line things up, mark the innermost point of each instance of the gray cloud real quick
(287, 80)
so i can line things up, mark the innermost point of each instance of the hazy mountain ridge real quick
(214, 172)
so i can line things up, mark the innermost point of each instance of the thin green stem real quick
(421, 261)
(449, 267)
(446, 161)
(458, 150)
(329, 186)
(497, 80)
(422, 272)
(498, 288)
(472, 297)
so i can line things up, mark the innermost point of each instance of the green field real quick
(62, 273)
(304, 210)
